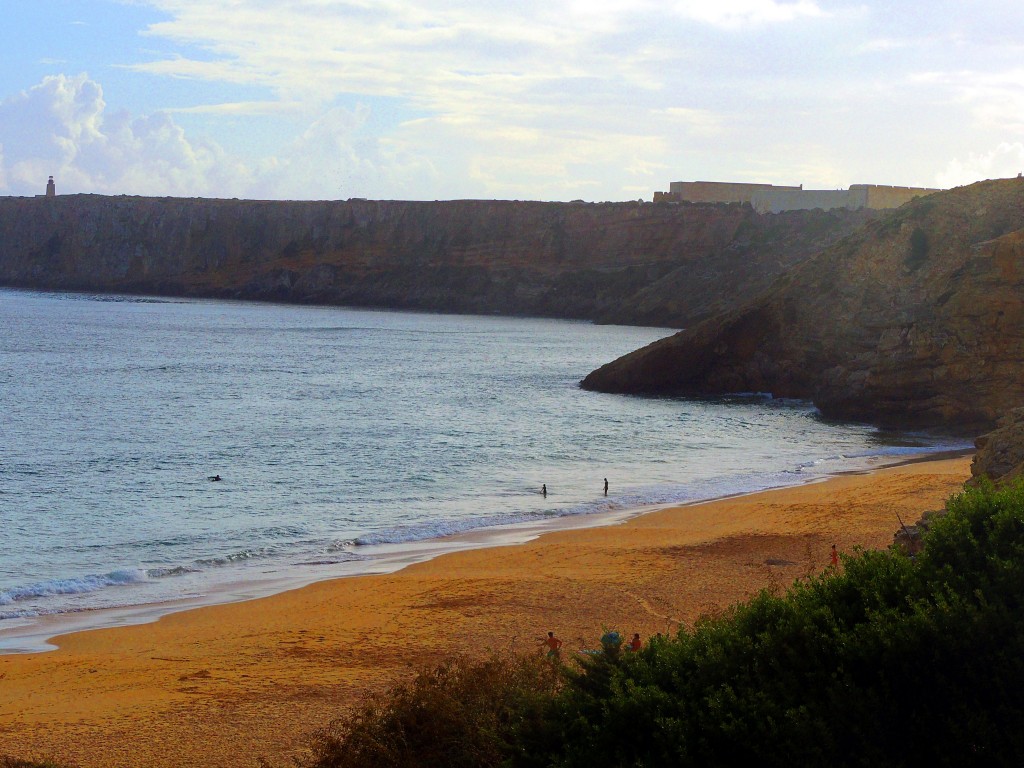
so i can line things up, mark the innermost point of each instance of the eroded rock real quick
(916, 320)
(1000, 455)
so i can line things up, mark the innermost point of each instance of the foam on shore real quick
(386, 551)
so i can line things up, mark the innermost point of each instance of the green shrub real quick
(889, 661)
(458, 715)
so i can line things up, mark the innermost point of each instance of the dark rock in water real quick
(643, 264)
(1000, 456)
(916, 320)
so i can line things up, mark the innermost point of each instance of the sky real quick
(518, 99)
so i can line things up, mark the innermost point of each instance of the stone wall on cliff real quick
(667, 265)
(917, 320)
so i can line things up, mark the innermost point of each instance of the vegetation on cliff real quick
(916, 320)
(887, 661)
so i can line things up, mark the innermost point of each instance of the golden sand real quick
(225, 685)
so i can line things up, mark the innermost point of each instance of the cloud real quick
(482, 89)
(698, 121)
(329, 159)
(735, 13)
(235, 108)
(60, 127)
(1003, 161)
(996, 98)
(551, 99)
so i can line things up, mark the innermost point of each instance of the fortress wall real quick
(877, 196)
(717, 191)
(781, 199)
(768, 198)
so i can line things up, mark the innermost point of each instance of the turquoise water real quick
(346, 440)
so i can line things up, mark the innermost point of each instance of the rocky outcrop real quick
(916, 320)
(1000, 454)
(664, 264)
(910, 538)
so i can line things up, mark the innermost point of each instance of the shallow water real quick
(341, 436)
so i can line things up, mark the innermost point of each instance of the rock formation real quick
(665, 264)
(916, 320)
(1000, 456)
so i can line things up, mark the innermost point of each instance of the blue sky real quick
(536, 99)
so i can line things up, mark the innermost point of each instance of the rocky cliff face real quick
(1000, 456)
(915, 320)
(634, 263)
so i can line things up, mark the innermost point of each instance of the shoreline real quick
(41, 633)
(227, 684)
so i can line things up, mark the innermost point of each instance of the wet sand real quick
(228, 684)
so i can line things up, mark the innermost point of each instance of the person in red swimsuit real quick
(635, 644)
(554, 645)
(835, 556)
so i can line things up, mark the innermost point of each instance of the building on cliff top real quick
(51, 189)
(768, 198)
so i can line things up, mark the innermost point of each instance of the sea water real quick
(346, 441)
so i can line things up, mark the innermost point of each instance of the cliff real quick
(1000, 456)
(632, 263)
(916, 320)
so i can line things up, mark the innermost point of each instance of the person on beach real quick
(544, 490)
(635, 644)
(606, 486)
(554, 645)
(835, 556)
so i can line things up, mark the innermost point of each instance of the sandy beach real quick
(226, 685)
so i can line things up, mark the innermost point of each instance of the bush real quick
(459, 715)
(890, 661)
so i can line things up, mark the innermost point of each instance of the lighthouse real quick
(51, 190)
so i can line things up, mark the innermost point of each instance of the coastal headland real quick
(226, 685)
(631, 263)
(914, 321)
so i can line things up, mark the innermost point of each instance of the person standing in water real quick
(544, 490)
(606, 486)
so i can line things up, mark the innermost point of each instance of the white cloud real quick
(61, 128)
(327, 161)
(495, 88)
(248, 108)
(883, 45)
(1003, 161)
(698, 121)
(996, 98)
(550, 99)
(733, 13)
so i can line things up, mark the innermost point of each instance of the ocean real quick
(346, 442)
